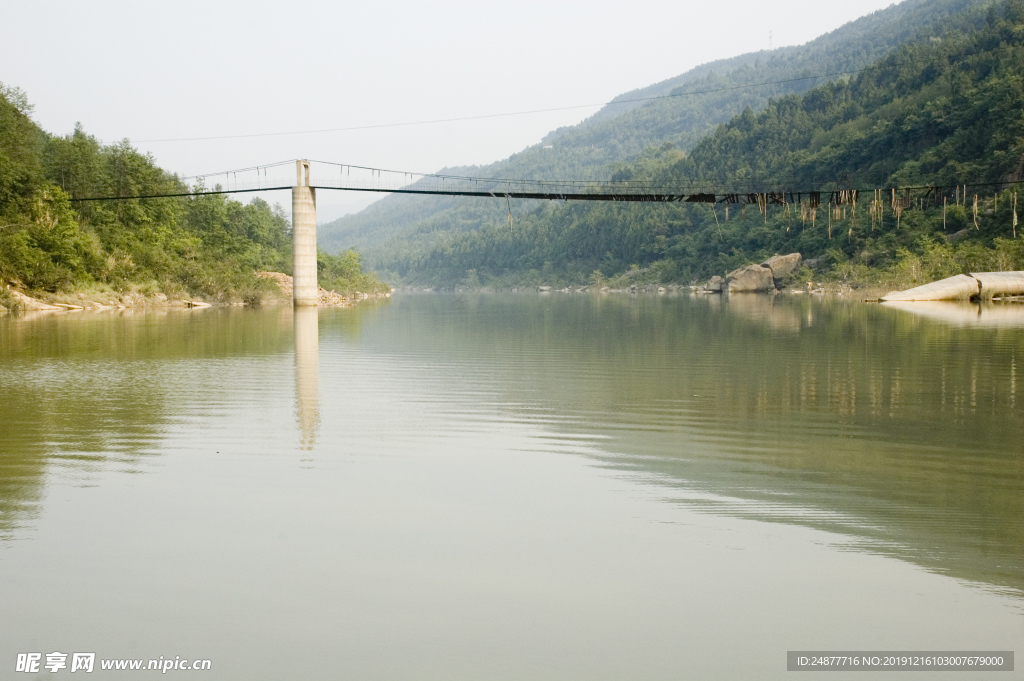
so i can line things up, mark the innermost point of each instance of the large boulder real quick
(24, 302)
(781, 265)
(1000, 283)
(957, 237)
(750, 279)
(957, 287)
(715, 284)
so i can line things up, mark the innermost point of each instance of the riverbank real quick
(276, 291)
(779, 274)
(13, 300)
(326, 298)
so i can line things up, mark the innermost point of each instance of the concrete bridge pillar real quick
(305, 288)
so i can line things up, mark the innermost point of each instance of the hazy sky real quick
(147, 70)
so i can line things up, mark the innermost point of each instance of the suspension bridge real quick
(335, 176)
(344, 177)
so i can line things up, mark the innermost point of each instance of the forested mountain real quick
(701, 99)
(198, 245)
(945, 111)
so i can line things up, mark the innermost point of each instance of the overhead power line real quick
(529, 111)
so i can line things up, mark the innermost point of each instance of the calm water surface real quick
(512, 486)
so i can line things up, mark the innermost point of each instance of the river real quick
(474, 486)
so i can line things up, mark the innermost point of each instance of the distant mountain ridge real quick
(934, 128)
(623, 129)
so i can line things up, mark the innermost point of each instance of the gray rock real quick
(813, 263)
(24, 302)
(715, 284)
(782, 265)
(960, 286)
(750, 279)
(958, 236)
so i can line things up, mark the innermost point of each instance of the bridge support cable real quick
(632, 197)
(345, 177)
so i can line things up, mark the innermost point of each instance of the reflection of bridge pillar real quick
(305, 289)
(307, 374)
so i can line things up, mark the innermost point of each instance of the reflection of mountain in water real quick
(84, 390)
(899, 432)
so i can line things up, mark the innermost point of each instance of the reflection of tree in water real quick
(348, 322)
(83, 391)
(900, 432)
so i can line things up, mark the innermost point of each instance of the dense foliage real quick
(206, 246)
(943, 111)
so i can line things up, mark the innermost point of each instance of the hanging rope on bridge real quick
(370, 179)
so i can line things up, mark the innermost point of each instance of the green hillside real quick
(205, 246)
(623, 129)
(943, 111)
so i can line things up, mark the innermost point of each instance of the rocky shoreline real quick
(326, 298)
(13, 300)
(776, 275)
